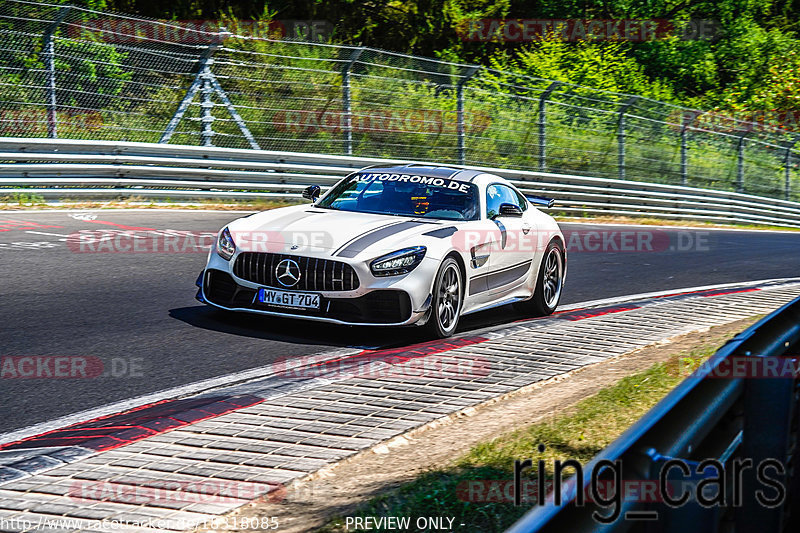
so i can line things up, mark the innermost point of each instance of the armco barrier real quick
(81, 168)
(718, 413)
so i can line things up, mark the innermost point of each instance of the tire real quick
(448, 295)
(549, 283)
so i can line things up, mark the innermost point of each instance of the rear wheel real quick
(448, 293)
(549, 283)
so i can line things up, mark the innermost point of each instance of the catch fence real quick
(73, 73)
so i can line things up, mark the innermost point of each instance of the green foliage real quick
(607, 66)
(747, 65)
(290, 94)
(25, 199)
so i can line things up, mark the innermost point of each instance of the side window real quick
(497, 194)
(522, 202)
(354, 190)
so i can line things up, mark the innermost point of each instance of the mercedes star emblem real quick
(288, 272)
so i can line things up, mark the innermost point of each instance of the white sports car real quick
(392, 246)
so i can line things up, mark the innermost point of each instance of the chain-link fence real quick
(70, 72)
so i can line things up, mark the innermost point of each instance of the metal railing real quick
(718, 413)
(70, 72)
(63, 168)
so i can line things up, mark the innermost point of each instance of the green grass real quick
(22, 199)
(579, 434)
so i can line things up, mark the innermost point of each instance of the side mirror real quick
(541, 201)
(510, 210)
(312, 192)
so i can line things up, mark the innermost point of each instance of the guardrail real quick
(749, 415)
(63, 168)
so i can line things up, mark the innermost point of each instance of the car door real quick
(512, 254)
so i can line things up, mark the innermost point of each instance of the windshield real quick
(404, 194)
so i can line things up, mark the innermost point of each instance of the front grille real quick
(385, 306)
(315, 274)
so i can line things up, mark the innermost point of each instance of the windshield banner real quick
(446, 183)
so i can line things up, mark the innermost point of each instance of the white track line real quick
(645, 295)
(43, 233)
(693, 228)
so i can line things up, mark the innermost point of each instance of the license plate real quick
(297, 300)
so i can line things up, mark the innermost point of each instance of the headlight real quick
(225, 245)
(399, 262)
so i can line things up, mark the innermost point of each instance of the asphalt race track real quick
(136, 312)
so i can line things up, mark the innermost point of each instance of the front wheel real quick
(448, 294)
(549, 283)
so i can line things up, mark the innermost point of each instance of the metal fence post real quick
(235, 114)
(740, 162)
(346, 104)
(787, 168)
(621, 135)
(206, 80)
(49, 56)
(206, 106)
(460, 126)
(199, 79)
(222, 35)
(684, 150)
(543, 124)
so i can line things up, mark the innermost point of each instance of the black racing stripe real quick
(492, 280)
(342, 247)
(478, 284)
(364, 242)
(504, 277)
(442, 233)
(467, 175)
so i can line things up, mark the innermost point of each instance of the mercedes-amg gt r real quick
(392, 246)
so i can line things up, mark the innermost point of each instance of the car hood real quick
(320, 232)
